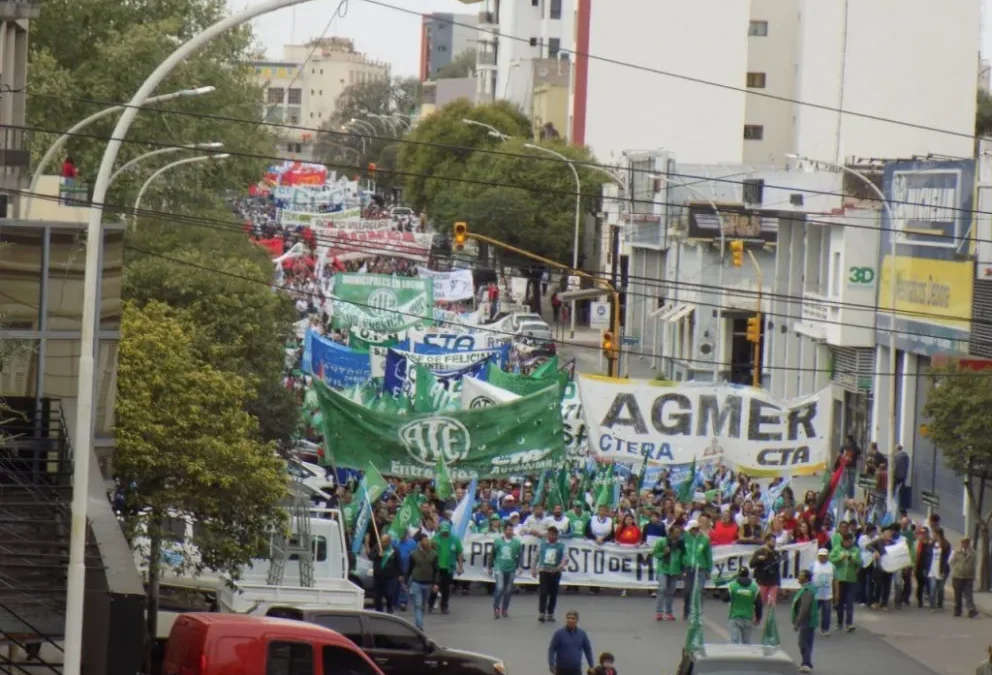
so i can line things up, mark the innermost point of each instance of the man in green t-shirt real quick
(504, 565)
(450, 560)
(743, 601)
(578, 518)
(697, 563)
(668, 570)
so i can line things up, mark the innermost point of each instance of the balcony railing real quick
(486, 59)
(487, 19)
(15, 147)
(12, 10)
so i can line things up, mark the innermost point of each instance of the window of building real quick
(756, 80)
(321, 71)
(311, 115)
(311, 92)
(533, 42)
(758, 28)
(289, 658)
(295, 96)
(753, 132)
(535, 3)
(275, 94)
(555, 10)
(754, 190)
(554, 45)
(320, 92)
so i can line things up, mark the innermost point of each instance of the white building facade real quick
(757, 80)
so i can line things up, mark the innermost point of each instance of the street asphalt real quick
(909, 642)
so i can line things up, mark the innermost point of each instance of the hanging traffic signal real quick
(737, 252)
(754, 328)
(461, 230)
(608, 345)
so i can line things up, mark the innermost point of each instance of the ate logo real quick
(382, 301)
(433, 438)
(481, 402)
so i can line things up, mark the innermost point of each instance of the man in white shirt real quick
(558, 519)
(535, 524)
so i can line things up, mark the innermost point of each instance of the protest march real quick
(410, 379)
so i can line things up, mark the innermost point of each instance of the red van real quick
(236, 644)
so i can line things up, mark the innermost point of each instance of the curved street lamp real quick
(493, 131)
(369, 125)
(164, 151)
(86, 380)
(167, 167)
(64, 138)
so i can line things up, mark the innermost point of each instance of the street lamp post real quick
(379, 118)
(167, 167)
(369, 125)
(64, 138)
(718, 347)
(164, 151)
(492, 130)
(83, 439)
(399, 118)
(578, 220)
(893, 243)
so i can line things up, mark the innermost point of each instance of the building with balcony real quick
(734, 79)
(443, 37)
(549, 102)
(302, 89)
(541, 29)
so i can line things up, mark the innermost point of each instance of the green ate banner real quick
(520, 437)
(381, 303)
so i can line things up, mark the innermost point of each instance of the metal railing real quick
(15, 146)
(486, 59)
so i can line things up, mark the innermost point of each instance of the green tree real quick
(461, 65)
(102, 50)
(958, 422)
(240, 323)
(983, 114)
(430, 158)
(185, 441)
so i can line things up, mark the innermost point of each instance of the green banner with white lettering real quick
(381, 303)
(517, 438)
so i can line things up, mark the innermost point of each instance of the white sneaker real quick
(805, 669)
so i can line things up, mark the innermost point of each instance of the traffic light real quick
(460, 231)
(737, 252)
(372, 169)
(608, 345)
(754, 328)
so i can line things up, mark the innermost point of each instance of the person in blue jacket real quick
(568, 646)
(404, 547)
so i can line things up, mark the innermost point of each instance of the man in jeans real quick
(450, 560)
(551, 561)
(963, 562)
(668, 568)
(423, 576)
(846, 560)
(504, 565)
(743, 602)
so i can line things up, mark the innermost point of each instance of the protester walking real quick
(766, 563)
(450, 561)
(743, 603)
(823, 579)
(551, 557)
(568, 645)
(804, 619)
(963, 562)
(846, 560)
(504, 565)
(387, 574)
(668, 554)
(985, 667)
(697, 563)
(940, 569)
(423, 576)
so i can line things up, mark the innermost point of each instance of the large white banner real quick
(450, 286)
(359, 244)
(453, 341)
(676, 423)
(573, 425)
(619, 566)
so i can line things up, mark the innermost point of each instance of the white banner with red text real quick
(358, 244)
(618, 566)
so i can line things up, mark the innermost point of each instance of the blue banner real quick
(339, 366)
(398, 371)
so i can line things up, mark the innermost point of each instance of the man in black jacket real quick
(387, 573)
(767, 567)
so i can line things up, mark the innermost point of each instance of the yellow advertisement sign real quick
(928, 290)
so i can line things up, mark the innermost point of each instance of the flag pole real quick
(375, 528)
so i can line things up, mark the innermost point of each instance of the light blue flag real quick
(361, 522)
(462, 516)
(539, 492)
(772, 495)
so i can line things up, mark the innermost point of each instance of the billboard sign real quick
(753, 226)
(925, 270)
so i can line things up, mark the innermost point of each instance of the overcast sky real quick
(386, 34)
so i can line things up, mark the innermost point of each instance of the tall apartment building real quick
(443, 37)
(302, 89)
(528, 30)
(720, 82)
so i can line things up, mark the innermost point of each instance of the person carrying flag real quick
(805, 619)
(697, 563)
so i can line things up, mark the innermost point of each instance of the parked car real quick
(215, 644)
(313, 476)
(723, 659)
(521, 318)
(538, 336)
(393, 644)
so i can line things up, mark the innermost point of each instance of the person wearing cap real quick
(509, 507)
(504, 565)
(804, 619)
(823, 580)
(697, 563)
(743, 607)
(450, 561)
(963, 562)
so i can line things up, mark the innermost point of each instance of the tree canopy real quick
(959, 422)
(461, 65)
(983, 114)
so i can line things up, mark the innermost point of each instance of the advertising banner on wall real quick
(753, 226)
(926, 276)
(677, 423)
(983, 212)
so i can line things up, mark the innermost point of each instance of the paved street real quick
(912, 642)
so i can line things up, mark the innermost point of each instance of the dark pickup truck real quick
(397, 647)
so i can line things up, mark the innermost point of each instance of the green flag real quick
(694, 637)
(539, 492)
(604, 495)
(524, 385)
(687, 489)
(408, 516)
(442, 481)
(558, 490)
(432, 395)
(516, 438)
(770, 636)
(364, 340)
(381, 303)
(549, 367)
(375, 484)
